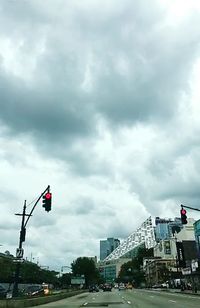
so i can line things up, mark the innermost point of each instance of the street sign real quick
(194, 265)
(186, 271)
(77, 280)
(17, 260)
(19, 252)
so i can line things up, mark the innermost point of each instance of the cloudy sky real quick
(101, 101)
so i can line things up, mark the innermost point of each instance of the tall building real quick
(161, 228)
(175, 226)
(107, 246)
(166, 228)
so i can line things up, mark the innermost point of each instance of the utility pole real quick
(20, 251)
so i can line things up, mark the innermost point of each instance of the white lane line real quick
(172, 301)
(85, 304)
(168, 293)
(128, 302)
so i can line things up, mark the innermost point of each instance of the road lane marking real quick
(169, 293)
(128, 302)
(172, 301)
(85, 304)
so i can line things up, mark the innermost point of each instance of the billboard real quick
(167, 248)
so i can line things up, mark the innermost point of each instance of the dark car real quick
(93, 288)
(3, 292)
(34, 290)
(107, 287)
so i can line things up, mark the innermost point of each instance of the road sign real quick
(77, 280)
(18, 260)
(194, 265)
(186, 271)
(19, 252)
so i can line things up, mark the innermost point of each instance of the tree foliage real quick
(65, 280)
(132, 270)
(85, 266)
(7, 268)
(29, 272)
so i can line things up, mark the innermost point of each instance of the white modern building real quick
(143, 235)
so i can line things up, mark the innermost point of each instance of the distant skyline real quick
(101, 102)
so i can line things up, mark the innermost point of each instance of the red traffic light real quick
(48, 196)
(183, 212)
(183, 216)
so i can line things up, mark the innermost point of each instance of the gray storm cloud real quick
(101, 102)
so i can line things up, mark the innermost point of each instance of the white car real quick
(121, 286)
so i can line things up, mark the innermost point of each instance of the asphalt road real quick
(128, 298)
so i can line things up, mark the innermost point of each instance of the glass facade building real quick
(161, 229)
(107, 246)
(166, 228)
(197, 236)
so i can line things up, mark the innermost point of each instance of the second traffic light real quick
(183, 216)
(47, 201)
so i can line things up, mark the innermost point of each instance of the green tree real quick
(65, 280)
(29, 272)
(85, 266)
(132, 270)
(7, 268)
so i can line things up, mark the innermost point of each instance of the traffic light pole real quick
(189, 207)
(46, 190)
(22, 239)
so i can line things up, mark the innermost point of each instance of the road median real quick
(31, 302)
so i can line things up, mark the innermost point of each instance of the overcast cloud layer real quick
(100, 100)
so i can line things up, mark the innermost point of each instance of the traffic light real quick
(183, 216)
(47, 201)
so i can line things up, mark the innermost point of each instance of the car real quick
(34, 290)
(3, 292)
(93, 288)
(107, 287)
(121, 286)
(157, 286)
